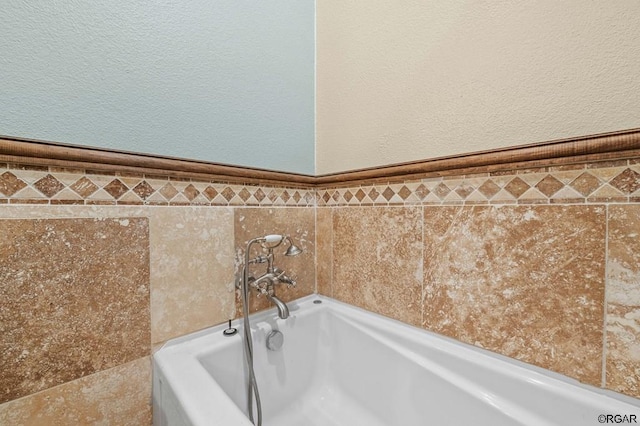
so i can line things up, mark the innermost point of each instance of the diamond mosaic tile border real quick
(617, 182)
(40, 185)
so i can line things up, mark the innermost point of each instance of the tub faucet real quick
(265, 283)
(283, 310)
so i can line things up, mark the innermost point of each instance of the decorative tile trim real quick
(617, 181)
(21, 184)
(614, 181)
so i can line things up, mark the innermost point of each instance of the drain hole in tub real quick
(275, 340)
(317, 302)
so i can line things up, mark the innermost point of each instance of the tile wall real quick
(540, 265)
(98, 271)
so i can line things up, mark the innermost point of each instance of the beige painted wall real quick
(410, 80)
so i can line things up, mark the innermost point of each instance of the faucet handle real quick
(284, 278)
(290, 282)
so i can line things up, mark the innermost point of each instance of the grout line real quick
(605, 308)
(315, 242)
(331, 255)
(422, 324)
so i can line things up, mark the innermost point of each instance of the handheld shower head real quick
(272, 239)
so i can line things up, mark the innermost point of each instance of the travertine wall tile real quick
(118, 396)
(75, 298)
(71, 211)
(299, 223)
(191, 279)
(524, 281)
(192, 289)
(623, 300)
(377, 260)
(192, 255)
(324, 251)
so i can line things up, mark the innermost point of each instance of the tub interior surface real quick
(325, 406)
(343, 366)
(295, 390)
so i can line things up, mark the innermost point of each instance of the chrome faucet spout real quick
(283, 310)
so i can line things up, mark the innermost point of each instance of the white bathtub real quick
(344, 366)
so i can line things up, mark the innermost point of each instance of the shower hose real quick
(252, 389)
